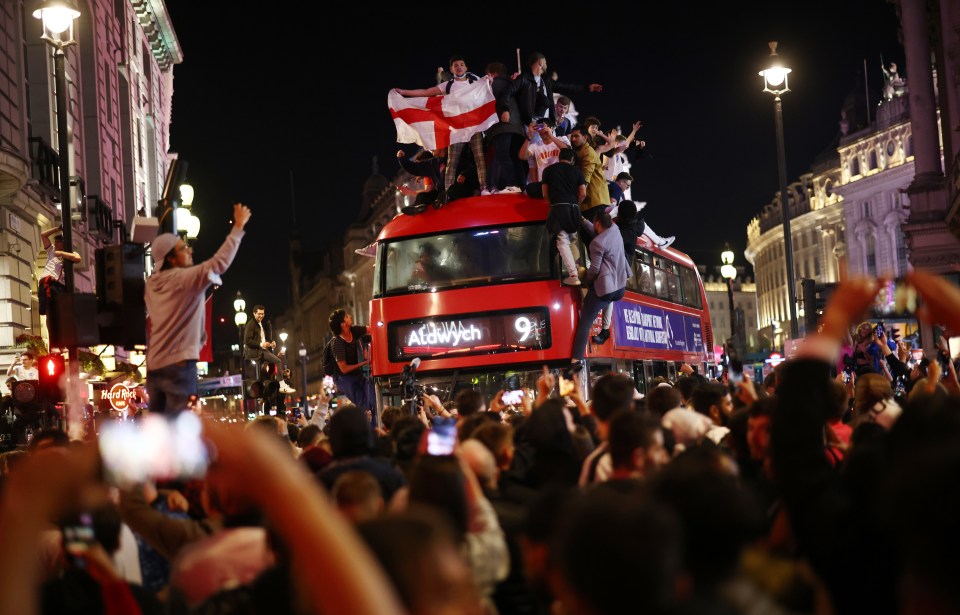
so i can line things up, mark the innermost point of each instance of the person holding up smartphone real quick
(25, 367)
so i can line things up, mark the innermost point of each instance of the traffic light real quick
(52, 369)
(252, 389)
(25, 394)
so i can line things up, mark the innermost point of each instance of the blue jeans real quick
(170, 387)
(592, 304)
(359, 390)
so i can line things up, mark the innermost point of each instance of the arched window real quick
(855, 166)
(873, 160)
(871, 253)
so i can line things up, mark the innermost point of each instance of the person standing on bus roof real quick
(461, 78)
(348, 351)
(175, 295)
(598, 196)
(607, 277)
(564, 187)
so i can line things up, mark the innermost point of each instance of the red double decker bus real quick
(473, 291)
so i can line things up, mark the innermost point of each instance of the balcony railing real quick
(100, 216)
(45, 167)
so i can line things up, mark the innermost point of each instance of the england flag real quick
(434, 122)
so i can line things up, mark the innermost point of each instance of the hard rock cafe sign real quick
(119, 396)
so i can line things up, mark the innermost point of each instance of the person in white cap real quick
(175, 316)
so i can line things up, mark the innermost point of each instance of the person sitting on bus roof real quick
(564, 187)
(607, 277)
(427, 167)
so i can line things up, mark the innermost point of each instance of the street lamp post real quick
(775, 82)
(303, 374)
(57, 17)
(729, 272)
(240, 318)
(188, 225)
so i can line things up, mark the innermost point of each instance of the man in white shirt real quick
(25, 367)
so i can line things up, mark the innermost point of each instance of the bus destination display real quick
(466, 334)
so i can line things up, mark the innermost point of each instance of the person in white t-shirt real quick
(25, 367)
(541, 149)
(51, 280)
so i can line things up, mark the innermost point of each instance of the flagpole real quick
(866, 87)
(519, 68)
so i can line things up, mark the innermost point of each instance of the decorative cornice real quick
(156, 24)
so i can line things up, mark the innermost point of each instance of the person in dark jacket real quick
(503, 140)
(535, 90)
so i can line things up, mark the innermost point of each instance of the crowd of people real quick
(800, 494)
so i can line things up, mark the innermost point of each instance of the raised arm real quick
(434, 91)
(332, 567)
(45, 235)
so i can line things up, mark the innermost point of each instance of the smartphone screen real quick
(896, 298)
(735, 374)
(155, 447)
(442, 437)
(77, 538)
(512, 398)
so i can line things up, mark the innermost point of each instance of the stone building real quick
(120, 88)
(745, 307)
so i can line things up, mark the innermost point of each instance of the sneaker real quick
(601, 338)
(667, 242)
(512, 189)
(571, 281)
(370, 250)
(486, 192)
(285, 388)
(576, 365)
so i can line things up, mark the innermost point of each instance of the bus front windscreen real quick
(472, 257)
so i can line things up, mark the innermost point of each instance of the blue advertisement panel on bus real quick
(642, 326)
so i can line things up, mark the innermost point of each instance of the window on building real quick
(871, 250)
(901, 251)
(816, 266)
(855, 166)
(865, 209)
(873, 160)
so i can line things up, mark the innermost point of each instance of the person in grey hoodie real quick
(175, 316)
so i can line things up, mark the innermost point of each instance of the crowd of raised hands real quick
(863, 501)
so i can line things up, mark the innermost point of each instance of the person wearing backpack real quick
(348, 353)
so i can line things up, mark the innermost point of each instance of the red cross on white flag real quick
(434, 122)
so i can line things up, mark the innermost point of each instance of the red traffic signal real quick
(51, 370)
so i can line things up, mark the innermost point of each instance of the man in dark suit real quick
(258, 344)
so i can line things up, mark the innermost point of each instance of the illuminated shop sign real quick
(641, 326)
(463, 334)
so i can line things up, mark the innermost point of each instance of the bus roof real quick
(494, 210)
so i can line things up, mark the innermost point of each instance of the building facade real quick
(341, 277)
(120, 87)
(817, 230)
(745, 308)
(876, 167)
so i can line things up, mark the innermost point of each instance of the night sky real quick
(263, 92)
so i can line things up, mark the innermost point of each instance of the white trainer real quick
(667, 242)
(571, 281)
(285, 388)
